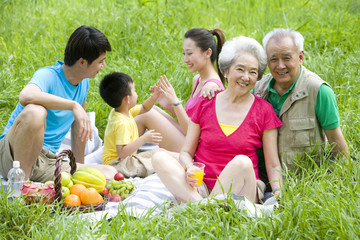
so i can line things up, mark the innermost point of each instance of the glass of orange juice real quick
(198, 169)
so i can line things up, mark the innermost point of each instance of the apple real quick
(47, 182)
(115, 198)
(65, 178)
(65, 191)
(70, 184)
(105, 191)
(119, 176)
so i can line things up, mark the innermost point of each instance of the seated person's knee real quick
(34, 113)
(241, 162)
(158, 158)
(109, 171)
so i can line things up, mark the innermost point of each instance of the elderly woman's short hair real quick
(279, 33)
(233, 49)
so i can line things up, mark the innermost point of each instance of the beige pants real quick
(204, 191)
(43, 170)
(135, 165)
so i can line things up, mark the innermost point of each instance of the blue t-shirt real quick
(58, 122)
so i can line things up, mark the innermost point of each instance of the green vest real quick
(301, 129)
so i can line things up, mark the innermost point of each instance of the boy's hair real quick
(87, 43)
(114, 87)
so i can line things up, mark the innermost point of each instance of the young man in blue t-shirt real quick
(53, 101)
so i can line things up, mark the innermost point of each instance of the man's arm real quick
(337, 140)
(78, 146)
(32, 94)
(328, 116)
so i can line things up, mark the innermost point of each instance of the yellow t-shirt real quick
(120, 130)
(227, 129)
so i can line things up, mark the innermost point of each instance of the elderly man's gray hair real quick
(279, 33)
(235, 47)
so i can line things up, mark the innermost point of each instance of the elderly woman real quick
(225, 132)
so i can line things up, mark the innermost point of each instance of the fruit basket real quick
(58, 186)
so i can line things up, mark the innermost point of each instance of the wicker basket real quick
(58, 186)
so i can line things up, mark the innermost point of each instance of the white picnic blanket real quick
(152, 197)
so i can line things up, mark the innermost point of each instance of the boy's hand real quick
(152, 137)
(156, 92)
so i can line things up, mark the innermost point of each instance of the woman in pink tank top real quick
(200, 52)
(225, 132)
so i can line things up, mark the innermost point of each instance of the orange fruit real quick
(90, 196)
(77, 189)
(72, 200)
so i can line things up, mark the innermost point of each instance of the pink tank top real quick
(194, 99)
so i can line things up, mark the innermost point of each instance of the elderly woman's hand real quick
(190, 180)
(210, 93)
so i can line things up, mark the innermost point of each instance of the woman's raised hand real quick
(168, 90)
(168, 96)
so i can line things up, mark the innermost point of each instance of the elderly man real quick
(303, 101)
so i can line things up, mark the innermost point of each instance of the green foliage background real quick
(146, 37)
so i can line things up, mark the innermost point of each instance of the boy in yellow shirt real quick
(121, 140)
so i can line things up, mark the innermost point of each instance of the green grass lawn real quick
(319, 202)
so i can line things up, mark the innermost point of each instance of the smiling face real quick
(193, 56)
(284, 60)
(243, 73)
(94, 68)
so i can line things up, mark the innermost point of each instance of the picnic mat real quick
(152, 197)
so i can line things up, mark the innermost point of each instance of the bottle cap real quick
(16, 164)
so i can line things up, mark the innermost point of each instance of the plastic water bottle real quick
(16, 177)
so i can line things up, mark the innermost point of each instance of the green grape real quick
(123, 188)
